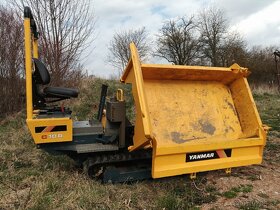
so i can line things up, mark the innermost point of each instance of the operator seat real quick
(41, 96)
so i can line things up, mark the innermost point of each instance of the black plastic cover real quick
(27, 13)
(41, 74)
(60, 92)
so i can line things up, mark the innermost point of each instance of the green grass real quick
(245, 188)
(186, 196)
(33, 179)
(234, 192)
(263, 195)
(251, 205)
(273, 147)
(269, 109)
(86, 106)
(268, 106)
(230, 194)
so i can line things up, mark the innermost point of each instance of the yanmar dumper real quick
(195, 118)
(189, 119)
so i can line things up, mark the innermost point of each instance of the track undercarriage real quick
(119, 166)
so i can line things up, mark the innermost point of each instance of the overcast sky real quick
(257, 20)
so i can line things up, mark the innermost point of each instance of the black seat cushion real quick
(59, 92)
(41, 74)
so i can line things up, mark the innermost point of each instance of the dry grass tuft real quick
(261, 89)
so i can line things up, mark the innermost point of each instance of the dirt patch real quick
(207, 127)
(178, 138)
(264, 179)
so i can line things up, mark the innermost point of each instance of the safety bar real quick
(31, 36)
(28, 14)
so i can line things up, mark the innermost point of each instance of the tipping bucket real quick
(195, 118)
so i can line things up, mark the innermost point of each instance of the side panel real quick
(50, 130)
(177, 164)
(191, 111)
(133, 74)
(246, 108)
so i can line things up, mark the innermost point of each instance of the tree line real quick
(202, 39)
(66, 28)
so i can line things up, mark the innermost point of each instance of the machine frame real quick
(196, 142)
(44, 129)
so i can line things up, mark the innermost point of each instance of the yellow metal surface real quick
(45, 134)
(185, 110)
(119, 94)
(28, 67)
(133, 74)
(104, 119)
(228, 170)
(171, 165)
(35, 48)
(196, 111)
(193, 176)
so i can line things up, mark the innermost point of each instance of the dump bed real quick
(195, 118)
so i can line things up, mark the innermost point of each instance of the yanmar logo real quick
(197, 156)
(202, 156)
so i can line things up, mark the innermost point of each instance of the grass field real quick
(32, 179)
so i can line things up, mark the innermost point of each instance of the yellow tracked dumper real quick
(195, 118)
(189, 119)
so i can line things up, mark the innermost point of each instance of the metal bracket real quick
(228, 170)
(193, 175)
(119, 95)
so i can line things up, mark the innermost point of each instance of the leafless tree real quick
(66, 28)
(178, 41)
(213, 28)
(11, 62)
(233, 50)
(119, 52)
(261, 63)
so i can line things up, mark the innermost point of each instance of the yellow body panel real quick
(43, 130)
(28, 67)
(184, 111)
(52, 129)
(172, 165)
(35, 48)
(191, 112)
(142, 132)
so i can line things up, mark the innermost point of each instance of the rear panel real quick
(50, 130)
(183, 111)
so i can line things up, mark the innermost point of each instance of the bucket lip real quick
(185, 67)
(135, 60)
(126, 70)
(235, 68)
(208, 145)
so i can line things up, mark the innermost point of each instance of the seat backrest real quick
(41, 74)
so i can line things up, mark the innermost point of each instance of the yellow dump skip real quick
(195, 118)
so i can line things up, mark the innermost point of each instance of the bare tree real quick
(261, 63)
(119, 52)
(213, 28)
(11, 62)
(178, 41)
(66, 28)
(233, 50)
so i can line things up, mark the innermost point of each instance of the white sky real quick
(257, 20)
